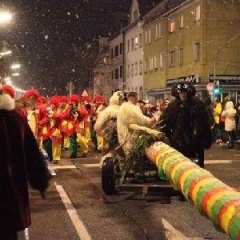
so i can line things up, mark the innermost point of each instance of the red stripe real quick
(194, 182)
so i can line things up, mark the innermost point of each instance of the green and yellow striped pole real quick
(213, 198)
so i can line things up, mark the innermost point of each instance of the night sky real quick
(49, 39)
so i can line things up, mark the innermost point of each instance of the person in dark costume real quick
(21, 163)
(187, 123)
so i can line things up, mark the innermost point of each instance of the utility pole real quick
(70, 87)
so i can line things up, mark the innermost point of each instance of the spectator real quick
(217, 110)
(21, 161)
(160, 107)
(187, 123)
(229, 112)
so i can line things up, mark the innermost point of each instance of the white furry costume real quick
(129, 114)
(107, 121)
(229, 113)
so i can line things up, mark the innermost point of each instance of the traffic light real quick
(216, 90)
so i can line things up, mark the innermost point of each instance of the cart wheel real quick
(110, 175)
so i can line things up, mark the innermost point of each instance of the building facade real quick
(116, 61)
(133, 51)
(196, 41)
(173, 41)
(102, 70)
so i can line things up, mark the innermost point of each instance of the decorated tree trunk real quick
(213, 198)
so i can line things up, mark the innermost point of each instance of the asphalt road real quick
(75, 206)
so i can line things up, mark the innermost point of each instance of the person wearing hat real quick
(30, 98)
(21, 163)
(106, 124)
(130, 113)
(8, 89)
(99, 105)
(54, 129)
(63, 109)
(85, 101)
(187, 123)
(72, 124)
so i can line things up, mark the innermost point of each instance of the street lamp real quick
(5, 53)
(5, 17)
(15, 66)
(216, 55)
(15, 74)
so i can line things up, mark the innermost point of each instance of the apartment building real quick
(193, 40)
(133, 46)
(116, 61)
(102, 70)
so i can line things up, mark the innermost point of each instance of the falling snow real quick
(51, 40)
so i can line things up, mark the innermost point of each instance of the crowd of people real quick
(34, 122)
(70, 122)
(21, 163)
(227, 125)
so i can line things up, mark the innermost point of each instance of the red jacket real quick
(21, 162)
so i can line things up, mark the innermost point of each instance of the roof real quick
(146, 5)
(163, 7)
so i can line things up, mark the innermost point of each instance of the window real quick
(161, 60)
(155, 62)
(148, 36)
(136, 42)
(121, 72)
(151, 64)
(132, 41)
(197, 51)
(112, 53)
(172, 26)
(128, 70)
(172, 58)
(135, 15)
(132, 70)
(181, 56)
(121, 48)
(136, 68)
(128, 45)
(116, 51)
(140, 67)
(197, 13)
(116, 73)
(112, 75)
(140, 40)
(158, 30)
(145, 65)
(181, 21)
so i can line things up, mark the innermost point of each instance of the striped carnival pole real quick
(213, 198)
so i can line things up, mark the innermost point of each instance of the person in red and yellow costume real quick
(86, 102)
(20, 106)
(72, 124)
(55, 133)
(97, 136)
(81, 129)
(30, 98)
(64, 112)
(44, 133)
